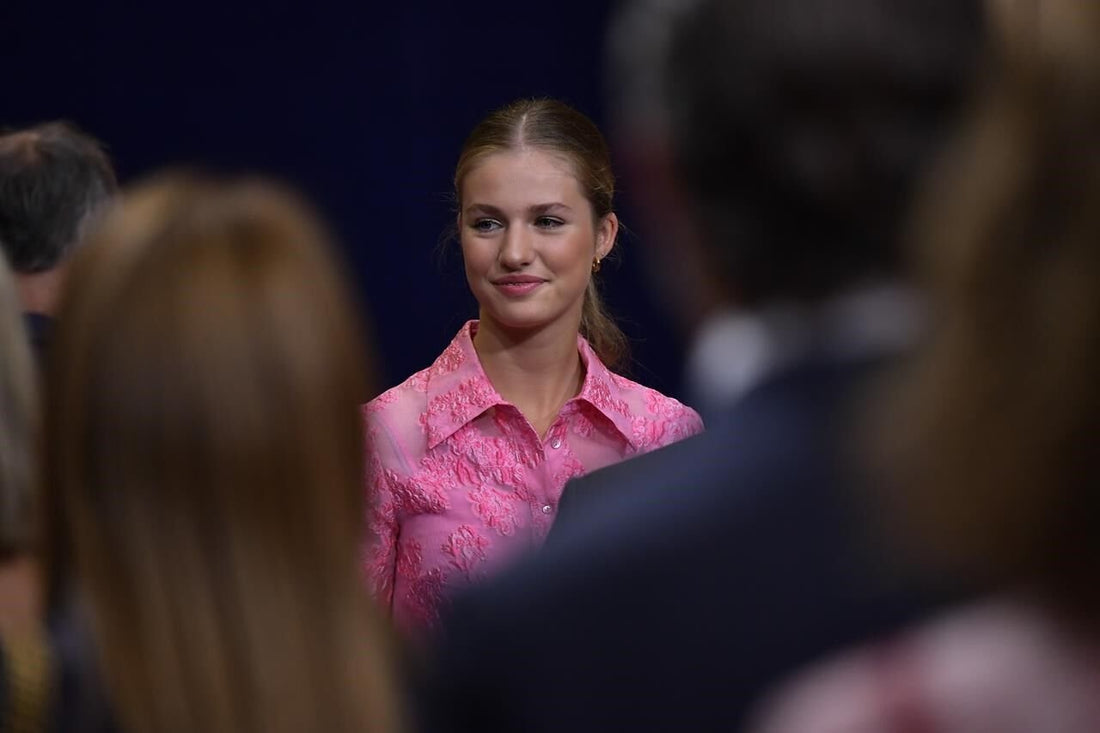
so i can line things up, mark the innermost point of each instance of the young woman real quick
(203, 464)
(469, 457)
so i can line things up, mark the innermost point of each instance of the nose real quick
(516, 250)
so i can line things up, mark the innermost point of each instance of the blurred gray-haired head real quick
(54, 179)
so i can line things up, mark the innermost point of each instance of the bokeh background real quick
(363, 106)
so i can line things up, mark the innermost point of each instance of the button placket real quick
(555, 442)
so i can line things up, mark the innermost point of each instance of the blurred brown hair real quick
(553, 126)
(18, 422)
(995, 434)
(203, 466)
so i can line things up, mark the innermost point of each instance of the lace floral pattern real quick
(460, 483)
(466, 548)
(424, 592)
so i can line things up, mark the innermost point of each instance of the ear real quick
(606, 235)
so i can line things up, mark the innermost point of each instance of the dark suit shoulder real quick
(713, 567)
(792, 420)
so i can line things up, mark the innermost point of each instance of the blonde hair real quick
(203, 466)
(554, 126)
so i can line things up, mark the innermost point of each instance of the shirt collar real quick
(734, 352)
(457, 388)
(458, 391)
(604, 390)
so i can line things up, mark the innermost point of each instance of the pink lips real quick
(516, 286)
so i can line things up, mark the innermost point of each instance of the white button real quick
(556, 443)
(547, 509)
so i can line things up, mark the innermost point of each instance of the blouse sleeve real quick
(383, 528)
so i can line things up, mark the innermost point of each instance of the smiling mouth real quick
(517, 287)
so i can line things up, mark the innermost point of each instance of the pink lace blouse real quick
(460, 482)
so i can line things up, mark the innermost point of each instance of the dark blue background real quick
(362, 106)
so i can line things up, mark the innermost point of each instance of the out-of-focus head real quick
(553, 127)
(18, 419)
(677, 269)
(636, 86)
(996, 433)
(203, 465)
(801, 126)
(54, 180)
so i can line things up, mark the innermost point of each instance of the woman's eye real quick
(548, 222)
(485, 225)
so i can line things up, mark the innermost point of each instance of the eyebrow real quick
(536, 210)
(548, 208)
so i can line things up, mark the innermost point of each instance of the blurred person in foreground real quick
(994, 439)
(203, 455)
(732, 343)
(54, 181)
(694, 576)
(18, 422)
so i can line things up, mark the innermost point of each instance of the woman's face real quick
(529, 237)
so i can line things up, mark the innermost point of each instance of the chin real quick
(529, 316)
(518, 324)
(520, 321)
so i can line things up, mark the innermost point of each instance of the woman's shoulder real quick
(410, 398)
(655, 419)
(407, 399)
(393, 427)
(655, 403)
(401, 422)
(611, 391)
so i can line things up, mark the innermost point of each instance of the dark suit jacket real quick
(683, 583)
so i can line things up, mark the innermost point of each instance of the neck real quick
(39, 291)
(537, 371)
